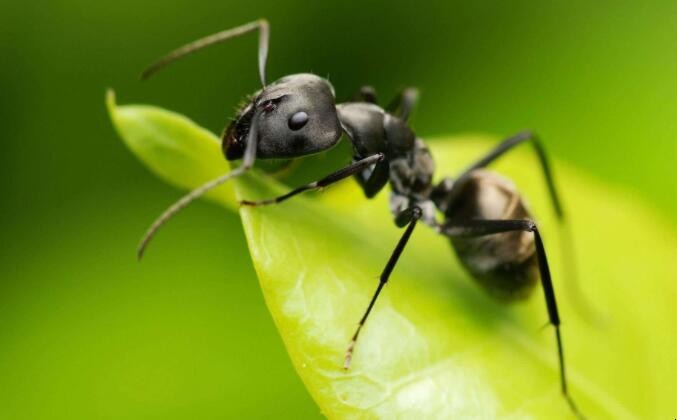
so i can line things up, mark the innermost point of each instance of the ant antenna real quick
(264, 34)
(247, 163)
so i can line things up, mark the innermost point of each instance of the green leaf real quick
(436, 346)
(172, 146)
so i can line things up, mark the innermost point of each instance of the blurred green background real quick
(87, 332)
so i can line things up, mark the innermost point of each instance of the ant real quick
(485, 217)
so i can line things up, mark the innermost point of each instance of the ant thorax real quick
(408, 166)
(411, 182)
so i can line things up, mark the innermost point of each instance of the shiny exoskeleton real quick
(505, 263)
(482, 214)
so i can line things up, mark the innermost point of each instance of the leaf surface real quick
(436, 346)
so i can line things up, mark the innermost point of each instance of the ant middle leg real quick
(480, 227)
(408, 217)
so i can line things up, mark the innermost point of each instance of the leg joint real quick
(527, 134)
(407, 215)
(530, 225)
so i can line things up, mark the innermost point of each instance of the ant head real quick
(296, 116)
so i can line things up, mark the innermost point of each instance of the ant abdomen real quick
(504, 263)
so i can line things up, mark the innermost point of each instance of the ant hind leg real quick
(488, 227)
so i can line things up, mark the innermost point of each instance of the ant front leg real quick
(342, 173)
(489, 227)
(372, 180)
(404, 103)
(408, 217)
(366, 93)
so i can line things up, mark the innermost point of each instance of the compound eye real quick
(298, 120)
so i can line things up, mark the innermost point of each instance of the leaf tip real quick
(111, 106)
(110, 100)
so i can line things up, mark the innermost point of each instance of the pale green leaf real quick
(436, 346)
(172, 146)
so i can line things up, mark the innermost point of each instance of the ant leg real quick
(264, 34)
(373, 181)
(342, 173)
(489, 227)
(408, 217)
(367, 94)
(402, 105)
(507, 145)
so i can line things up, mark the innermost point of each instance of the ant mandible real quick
(485, 217)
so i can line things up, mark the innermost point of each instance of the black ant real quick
(485, 217)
